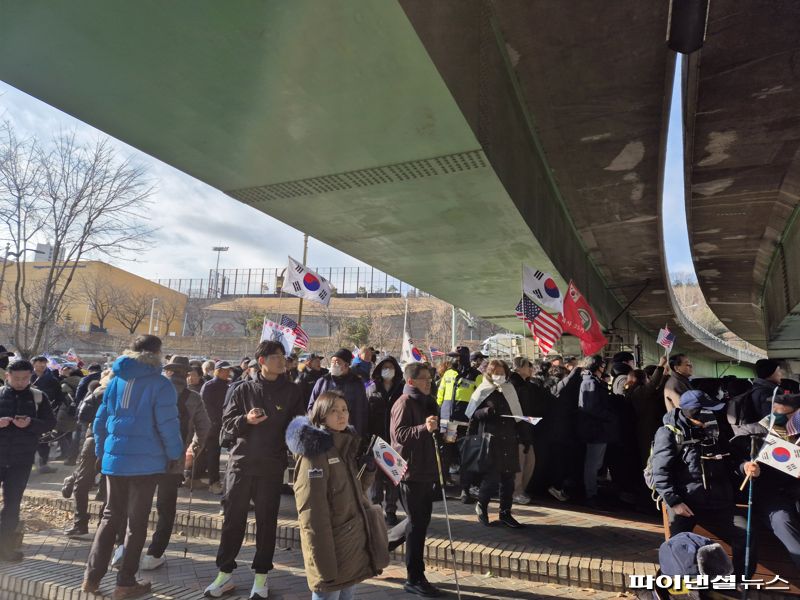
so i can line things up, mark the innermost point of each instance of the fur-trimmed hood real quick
(137, 364)
(305, 439)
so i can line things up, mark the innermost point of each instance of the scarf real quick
(487, 387)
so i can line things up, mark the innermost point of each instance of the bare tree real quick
(170, 310)
(132, 308)
(101, 296)
(247, 316)
(81, 198)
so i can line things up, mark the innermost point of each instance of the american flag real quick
(665, 338)
(435, 352)
(302, 336)
(544, 327)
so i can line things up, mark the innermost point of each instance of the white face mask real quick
(336, 370)
(498, 379)
(387, 373)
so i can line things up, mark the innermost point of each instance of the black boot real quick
(483, 514)
(509, 521)
(391, 519)
(77, 530)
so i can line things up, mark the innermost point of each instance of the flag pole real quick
(666, 348)
(522, 321)
(305, 258)
(446, 512)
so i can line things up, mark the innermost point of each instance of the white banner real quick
(389, 461)
(273, 332)
(305, 283)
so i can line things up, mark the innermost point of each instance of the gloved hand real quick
(369, 461)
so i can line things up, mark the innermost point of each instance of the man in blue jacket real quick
(137, 435)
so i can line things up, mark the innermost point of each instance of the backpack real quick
(648, 469)
(740, 409)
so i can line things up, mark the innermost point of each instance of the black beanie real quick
(343, 354)
(765, 367)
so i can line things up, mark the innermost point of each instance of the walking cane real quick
(446, 513)
(191, 495)
(749, 517)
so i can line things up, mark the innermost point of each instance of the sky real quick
(181, 247)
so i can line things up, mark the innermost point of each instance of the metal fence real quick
(347, 281)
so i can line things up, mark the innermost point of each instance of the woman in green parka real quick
(343, 535)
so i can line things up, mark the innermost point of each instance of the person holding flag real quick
(343, 537)
(414, 420)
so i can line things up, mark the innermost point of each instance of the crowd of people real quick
(152, 423)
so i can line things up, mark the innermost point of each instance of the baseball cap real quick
(222, 364)
(695, 399)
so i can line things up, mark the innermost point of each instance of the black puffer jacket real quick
(598, 422)
(381, 400)
(18, 446)
(261, 449)
(677, 471)
(307, 379)
(51, 386)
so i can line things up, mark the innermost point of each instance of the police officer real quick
(455, 390)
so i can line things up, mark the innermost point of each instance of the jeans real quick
(417, 499)
(591, 465)
(265, 492)
(129, 502)
(166, 503)
(527, 463)
(345, 594)
(14, 480)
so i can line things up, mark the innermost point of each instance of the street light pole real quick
(3, 273)
(219, 250)
(152, 310)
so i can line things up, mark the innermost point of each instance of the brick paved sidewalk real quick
(559, 544)
(53, 570)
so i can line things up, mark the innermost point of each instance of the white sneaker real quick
(557, 494)
(150, 562)
(260, 589)
(222, 585)
(522, 499)
(216, 488)
(116, 559)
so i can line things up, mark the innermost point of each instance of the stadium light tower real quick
(219, 250)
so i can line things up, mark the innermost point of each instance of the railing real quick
(347, 281)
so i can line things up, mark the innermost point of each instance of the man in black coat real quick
(767, 381)
(46, 381)
(310, 374)
(25, 414)
(254, 423)
(213, 394)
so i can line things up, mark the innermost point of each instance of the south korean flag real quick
(305, 283)
(542, 289)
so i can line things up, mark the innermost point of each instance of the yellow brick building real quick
(99, 288)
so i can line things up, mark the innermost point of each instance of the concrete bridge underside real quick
(743, 169)
(440, 142)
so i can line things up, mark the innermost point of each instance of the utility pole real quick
(219, 250)
(152, 310)
(453, 330)
(305, 257)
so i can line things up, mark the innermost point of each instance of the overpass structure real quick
(446, 143)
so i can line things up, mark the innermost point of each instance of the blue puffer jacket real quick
(137, 428)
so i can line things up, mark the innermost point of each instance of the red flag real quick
(579, 319)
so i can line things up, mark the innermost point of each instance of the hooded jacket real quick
(137, 429)
(337, 531)
(761, 396)
(260, 450)
(352, 386)
(380, 400)
(411, 438)
(677, 470)
(18, 446)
